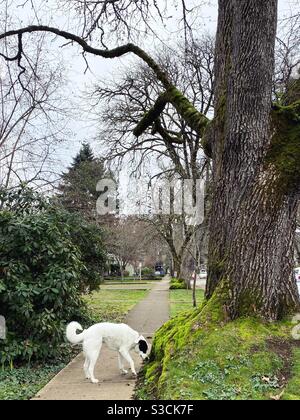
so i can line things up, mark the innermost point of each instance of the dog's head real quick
(142, 347)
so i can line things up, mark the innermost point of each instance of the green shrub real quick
(177, 284)
(22, 200)
(86, 236)
(39, 284)
(147, 271)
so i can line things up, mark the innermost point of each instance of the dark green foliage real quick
(39, 284)
(24, 382)
(77, 191)
(149, 274)
(177, 284)
(21, 200)
(146, 271)
(88, 238)
(85, 155)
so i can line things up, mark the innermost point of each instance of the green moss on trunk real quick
(284, 152)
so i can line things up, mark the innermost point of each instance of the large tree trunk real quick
(177, 265)
(297, 246)
(254, 209)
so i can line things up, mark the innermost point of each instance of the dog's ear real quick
(143, 345)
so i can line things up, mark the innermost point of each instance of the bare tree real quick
(176, 223)
(176, 234)
(287, 54)
(129, 239)
(120, 16)
(105, 20)
(31, 120)
(123, 103)
(170, 141)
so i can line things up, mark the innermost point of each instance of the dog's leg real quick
(93, 360)
(86, 367)
(92, 352)
(121, 366)
(128, 358)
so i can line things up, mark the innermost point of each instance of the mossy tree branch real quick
(195, 119)
(152, 115)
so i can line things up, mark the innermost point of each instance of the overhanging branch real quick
(195, 119)
(152, 115)
(183, 106)
(113, 53)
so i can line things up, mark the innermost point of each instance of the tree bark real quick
(253, 216)
(194, 291)
(177, 265)
(297, 246)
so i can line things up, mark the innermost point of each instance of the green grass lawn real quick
(131, 280)
(112, 305)
(181, 300)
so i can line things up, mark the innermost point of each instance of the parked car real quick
(203, 274)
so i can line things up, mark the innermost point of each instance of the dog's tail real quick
(71, 333)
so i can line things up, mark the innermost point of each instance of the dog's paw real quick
(95, 381)
(124, 372)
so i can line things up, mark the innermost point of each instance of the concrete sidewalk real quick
(146, 317)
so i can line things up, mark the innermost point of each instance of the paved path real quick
(146, 317)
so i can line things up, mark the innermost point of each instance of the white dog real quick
(118, 337)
